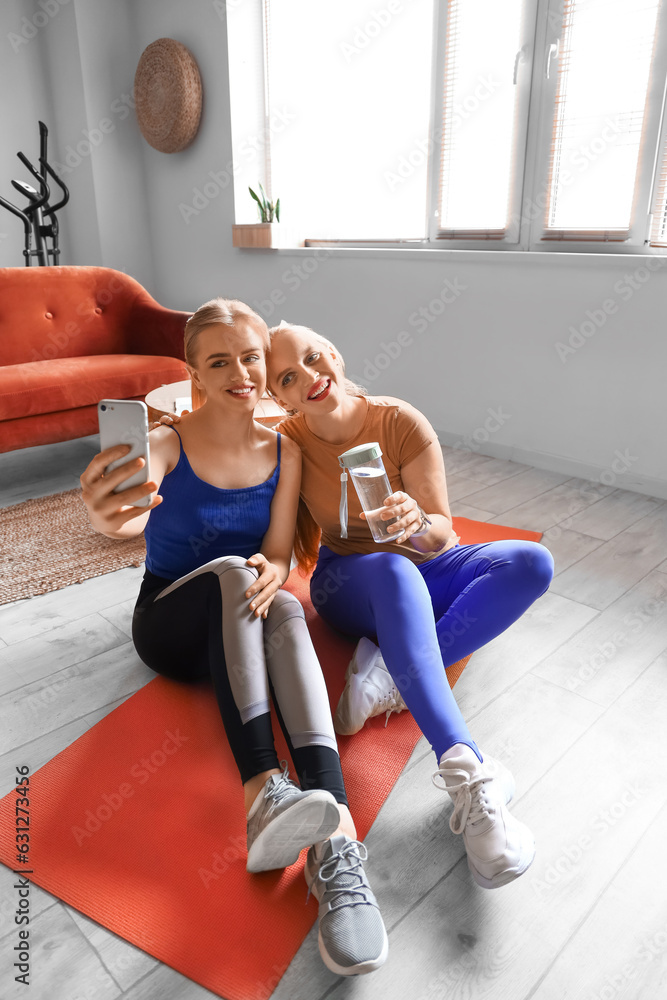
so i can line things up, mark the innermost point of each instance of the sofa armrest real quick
(153, 329)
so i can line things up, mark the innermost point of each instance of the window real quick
(521, 124)
(484, 105)
(599, 67)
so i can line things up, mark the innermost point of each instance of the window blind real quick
(481, 106)
(603, 60)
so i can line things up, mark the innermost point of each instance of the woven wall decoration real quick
(168, 95)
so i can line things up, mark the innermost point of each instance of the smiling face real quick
(304, 372)
(230, 364)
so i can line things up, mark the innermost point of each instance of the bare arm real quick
(273, 560)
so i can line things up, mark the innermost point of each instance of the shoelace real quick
(284, 788)
(388, 701)
(470, 802)
(391, 702)
(331, 867)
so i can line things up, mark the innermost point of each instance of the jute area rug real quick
(48, 543)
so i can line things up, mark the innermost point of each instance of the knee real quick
(534, 562)
(396, 575)
(285, 606)
(232, 564)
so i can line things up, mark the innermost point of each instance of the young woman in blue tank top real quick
(219, 537)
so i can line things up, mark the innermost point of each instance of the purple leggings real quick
(426, 617)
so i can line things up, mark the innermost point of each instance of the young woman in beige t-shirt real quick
(426, 600)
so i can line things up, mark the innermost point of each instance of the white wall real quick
(493, 347)
(108, 54)
(71, 63)
(24, 100)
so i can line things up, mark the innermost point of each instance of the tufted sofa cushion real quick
(68, 383)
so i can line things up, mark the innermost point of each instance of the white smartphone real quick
(125, 421)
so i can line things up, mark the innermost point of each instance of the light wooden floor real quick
(573, 697)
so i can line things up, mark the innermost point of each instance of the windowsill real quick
(584, 257)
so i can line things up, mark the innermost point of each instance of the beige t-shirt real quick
(402, 432)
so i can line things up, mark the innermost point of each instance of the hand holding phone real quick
(125, 421)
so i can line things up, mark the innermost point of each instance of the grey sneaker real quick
(283, 820)
(352, 937)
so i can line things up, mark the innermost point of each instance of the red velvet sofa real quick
(70, 336)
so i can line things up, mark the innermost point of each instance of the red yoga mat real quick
(140, 823)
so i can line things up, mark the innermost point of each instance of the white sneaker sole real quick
(280, 842)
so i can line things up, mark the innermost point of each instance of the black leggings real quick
(201, 626)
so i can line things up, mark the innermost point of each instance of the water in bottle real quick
(366, 468)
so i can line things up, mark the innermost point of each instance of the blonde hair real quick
(227, 312)
(308, 533)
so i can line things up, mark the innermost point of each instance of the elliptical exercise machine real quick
(38, 216)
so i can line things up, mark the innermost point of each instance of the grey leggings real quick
(200, 625)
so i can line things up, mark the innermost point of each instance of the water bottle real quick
(370, 480)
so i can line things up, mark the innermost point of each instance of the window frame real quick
(523, 75)
(534, 126)
(543, 100)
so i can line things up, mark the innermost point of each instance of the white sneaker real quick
(369, 691)
(499, 847)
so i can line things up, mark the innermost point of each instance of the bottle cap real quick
(358, 456)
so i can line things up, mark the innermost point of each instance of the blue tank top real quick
(197, 522)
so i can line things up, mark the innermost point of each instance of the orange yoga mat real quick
(140, 823)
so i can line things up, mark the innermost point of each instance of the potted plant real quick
(264, 233)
